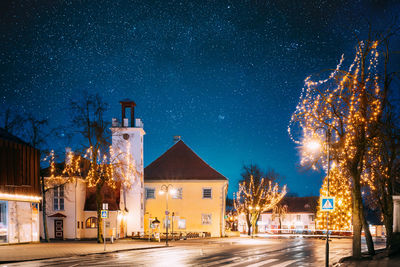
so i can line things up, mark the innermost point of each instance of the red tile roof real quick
(57, 215)
(180, 163)
(110, 196)
(300, 204)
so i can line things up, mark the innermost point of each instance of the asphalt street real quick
(279, 252)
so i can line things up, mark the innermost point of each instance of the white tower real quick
(127, 140)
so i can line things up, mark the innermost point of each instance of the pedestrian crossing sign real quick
(104, 214)
(327, 203)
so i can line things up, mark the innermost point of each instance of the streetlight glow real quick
(313, 146)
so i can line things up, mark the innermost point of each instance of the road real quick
(216, 252)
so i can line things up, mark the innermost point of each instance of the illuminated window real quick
(205, 218)
(178, 194)
(150, 193)
(58, 201)
(207, 193)
(91, 222)
(182, 224)
(298, 217)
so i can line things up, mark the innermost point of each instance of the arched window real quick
(91, 222)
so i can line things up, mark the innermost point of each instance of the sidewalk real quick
(379, 261)
(26, 252)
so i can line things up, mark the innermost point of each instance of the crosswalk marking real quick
(285, 263)
(261, 263)
(224, 260)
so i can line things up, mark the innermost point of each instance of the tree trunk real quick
(388, 221)
(44, 214)
(99, 202)
(248, 224)
(368, 237)
(357, 224)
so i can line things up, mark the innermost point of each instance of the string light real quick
(349, 103)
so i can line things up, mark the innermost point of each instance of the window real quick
(311, 218)
(77, 225)
(298, 217)
(91, 222)
(58, 203)
(205, 218)
(178, 194)
(3, 213)
(150, 193)
(207, 193)
(182, 224)
(82, 224)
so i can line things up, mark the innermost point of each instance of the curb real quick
(82, 255)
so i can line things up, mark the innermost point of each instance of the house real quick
(71, 207)
(196, 197)
(298, 217)
(19, 190)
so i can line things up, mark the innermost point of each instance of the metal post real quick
(167, 213)
(172, 226)
(149, 227)
(104, 236)
(328, 137)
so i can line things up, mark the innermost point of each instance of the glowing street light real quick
(167, 189)
(315, 146)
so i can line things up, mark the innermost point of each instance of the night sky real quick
(225, 75)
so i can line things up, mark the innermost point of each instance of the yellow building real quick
(196, 194)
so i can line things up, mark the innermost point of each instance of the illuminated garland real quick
(252, 199)
(340, 218)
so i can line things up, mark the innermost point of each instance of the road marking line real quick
(261, 263)
(223, 260)
(285, 263)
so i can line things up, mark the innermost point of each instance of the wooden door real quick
(58, 229)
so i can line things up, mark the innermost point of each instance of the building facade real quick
(19, 190)
(299, 217)
(71, 207)
(196, 194)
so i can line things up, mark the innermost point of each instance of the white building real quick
(299, 218)
(71, 208)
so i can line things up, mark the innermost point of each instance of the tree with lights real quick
(340, 218)
(279, 211)
(347, 108)
(253, 198)
(106, 167)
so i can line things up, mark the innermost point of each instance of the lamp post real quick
(166, 189)
(314, 146)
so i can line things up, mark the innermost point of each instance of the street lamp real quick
(313, 146)
(166, 189)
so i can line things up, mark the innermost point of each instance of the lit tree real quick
(254, 198)
(348, 104)
(340, 218)
(279, 211)
(106, 167)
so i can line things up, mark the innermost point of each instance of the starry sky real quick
(224, 75)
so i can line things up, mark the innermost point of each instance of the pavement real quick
(61, 249)
(379, 260)
(205, 252)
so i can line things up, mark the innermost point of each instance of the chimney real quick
(177, 138)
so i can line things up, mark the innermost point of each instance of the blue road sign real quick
(104, 214)
(327, 203)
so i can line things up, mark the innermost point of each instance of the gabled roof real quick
(180, 163)
(300, 204)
